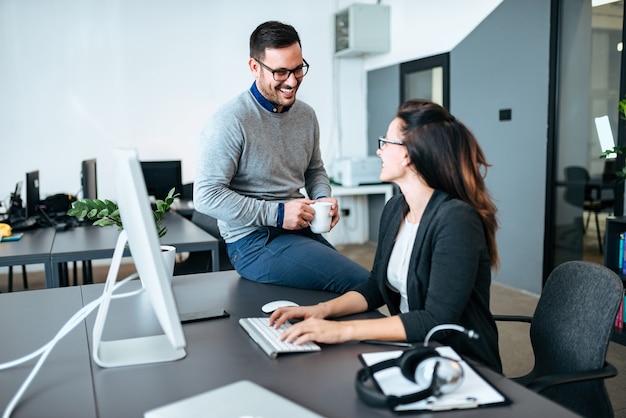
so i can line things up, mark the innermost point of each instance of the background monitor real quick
(16, 196)
(161, 176)
(140, 233)
(32, 193)
(605, 134)
(89, 179)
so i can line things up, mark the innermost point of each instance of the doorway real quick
(586, 87)
(426, 78)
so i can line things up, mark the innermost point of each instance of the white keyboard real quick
(268, 338)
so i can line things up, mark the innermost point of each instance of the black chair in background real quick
(587, 195)
(570, 333)
(187, 191)
(200, 261)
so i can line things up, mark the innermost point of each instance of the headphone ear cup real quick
(447, 374)
(371, 397)
(438, 375)
(409, 361)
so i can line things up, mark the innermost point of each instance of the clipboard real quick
(474, 392)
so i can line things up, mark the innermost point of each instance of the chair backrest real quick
(571, 330)
(576, 179)
(206, 222)
(209, 224)
(187, 191)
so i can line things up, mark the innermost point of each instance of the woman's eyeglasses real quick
(382, 141)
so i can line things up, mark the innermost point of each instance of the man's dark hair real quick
(272, 34)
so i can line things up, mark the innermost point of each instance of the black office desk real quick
(218, 352)
(33, 248)
(63, 386)
(94, 242)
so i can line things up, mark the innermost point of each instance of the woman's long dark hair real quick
(448, 157)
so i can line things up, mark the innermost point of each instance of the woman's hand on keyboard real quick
(284, 314)
(318, 330)
(314, 327)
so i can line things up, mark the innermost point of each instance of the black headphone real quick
(424, 366)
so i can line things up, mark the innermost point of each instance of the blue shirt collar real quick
(264, 102)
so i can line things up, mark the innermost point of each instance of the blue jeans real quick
(300, 259)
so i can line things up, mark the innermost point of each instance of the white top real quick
(398, 268)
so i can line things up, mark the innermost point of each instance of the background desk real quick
(94, 242)
(360, 207)
(218, 352)
(367, 189)
(33, 248)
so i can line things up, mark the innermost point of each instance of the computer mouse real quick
(270, 307)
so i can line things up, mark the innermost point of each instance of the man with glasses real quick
(256, 153)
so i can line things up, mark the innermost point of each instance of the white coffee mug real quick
(168, 253)
(322, 220)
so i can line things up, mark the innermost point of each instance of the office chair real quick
(200, 261)
(581, 193)
(187, 191)
(569, 333)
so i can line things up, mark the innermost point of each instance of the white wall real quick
(421, 28)
(510, 71)
(80, 77)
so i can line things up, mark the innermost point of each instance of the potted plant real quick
(106, 212)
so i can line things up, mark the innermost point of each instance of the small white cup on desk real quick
(168, 253)
(322, 220)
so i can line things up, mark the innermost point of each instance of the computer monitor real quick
(16, 196)
(89, 179)
(161, 176)
(32, 193)
(605, 134)
(141, 235)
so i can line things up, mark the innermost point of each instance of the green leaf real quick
(106, 212)
(102, 222)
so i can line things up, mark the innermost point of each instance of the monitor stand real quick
(129, 351)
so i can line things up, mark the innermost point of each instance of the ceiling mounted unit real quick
(362, 29)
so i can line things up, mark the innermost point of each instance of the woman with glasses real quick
(436, 247)
(256, 153)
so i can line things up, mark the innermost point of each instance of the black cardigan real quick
(449, 276)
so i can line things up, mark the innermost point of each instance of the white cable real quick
(77, 317)
(45, 350)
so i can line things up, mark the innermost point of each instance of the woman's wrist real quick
(324, 309)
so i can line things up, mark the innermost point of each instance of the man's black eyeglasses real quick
(283, 74)
(382, 141)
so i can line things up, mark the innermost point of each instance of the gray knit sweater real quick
(251, 159)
